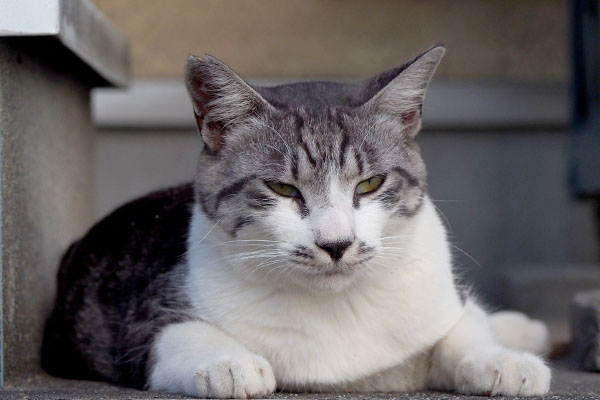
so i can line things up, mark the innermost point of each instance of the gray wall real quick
(504, 194)
(47, 186)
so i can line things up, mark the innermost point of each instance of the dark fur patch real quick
(294, 166)
(202, 197)
(363, 248)
(302, 252)
(344, 148)
(117, 287)
(309, 156)
(232, 189)
(391, 195)
(359, 161)
(412, 181)
(240, 223)
(259, 200)
(304, 211)
(299, 122)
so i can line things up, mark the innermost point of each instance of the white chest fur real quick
(387, 315)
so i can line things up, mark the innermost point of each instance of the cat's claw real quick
(237, 377)
(502, 372)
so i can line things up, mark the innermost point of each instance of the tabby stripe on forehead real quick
(359, 161)
(339, 120)
(309, 156)
(344, 147)
(303, 144)
(412, 181)
(299, 122)
(294, 166)
(232, 189)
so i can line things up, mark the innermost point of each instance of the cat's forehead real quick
(316, 95)
(313, 96)
(312, 146)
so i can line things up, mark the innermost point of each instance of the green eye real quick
(284, 190)
(369, 185)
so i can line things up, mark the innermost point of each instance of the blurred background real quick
(496, 119)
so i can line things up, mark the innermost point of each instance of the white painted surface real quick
(78, 25)
(29, 17)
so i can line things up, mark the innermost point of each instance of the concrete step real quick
(566, 384)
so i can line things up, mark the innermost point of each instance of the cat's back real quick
(116, 286)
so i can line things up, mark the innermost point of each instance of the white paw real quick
(236, 377)
(517, 331)
(502, 372)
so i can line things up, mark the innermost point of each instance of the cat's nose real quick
(335, 249)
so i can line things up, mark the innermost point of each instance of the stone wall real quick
(47, 200)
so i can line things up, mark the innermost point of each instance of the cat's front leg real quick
(470, 361)
(197, 359)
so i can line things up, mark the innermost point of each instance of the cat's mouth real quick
(338, 269)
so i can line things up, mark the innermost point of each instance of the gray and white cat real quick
(306, 256)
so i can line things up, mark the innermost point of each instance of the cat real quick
(306, 256)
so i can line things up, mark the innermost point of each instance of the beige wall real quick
(514, 39)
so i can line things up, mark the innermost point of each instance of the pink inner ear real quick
(202, 98)
(409, 117)
(212, 133)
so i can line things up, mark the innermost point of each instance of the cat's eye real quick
(369, 185)
(284, 190)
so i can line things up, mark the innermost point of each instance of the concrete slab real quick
(78, 26)
(585, 329)
(566, 384)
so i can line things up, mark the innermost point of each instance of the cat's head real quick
(309, 181)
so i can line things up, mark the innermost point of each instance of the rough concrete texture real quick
(585, 329)
(47, 184)
(566, 384)
(306, 38)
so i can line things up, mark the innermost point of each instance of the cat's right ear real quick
(403, 94)
(221, 99)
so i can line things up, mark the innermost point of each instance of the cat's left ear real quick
(402, 97)
(221, 99)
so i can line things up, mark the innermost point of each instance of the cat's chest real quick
(330, 338)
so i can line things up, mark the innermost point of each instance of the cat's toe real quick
(236, 377)
(503, 373)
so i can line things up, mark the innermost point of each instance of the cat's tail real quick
(517, 331)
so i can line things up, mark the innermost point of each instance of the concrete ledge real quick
(566, 384)
(78, 25)
(457, 104)
(585, 330)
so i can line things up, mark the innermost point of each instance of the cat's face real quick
(306, 188)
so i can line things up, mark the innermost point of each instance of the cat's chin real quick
(326, 281)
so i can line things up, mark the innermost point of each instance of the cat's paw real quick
(236, 377)
(502, 372)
